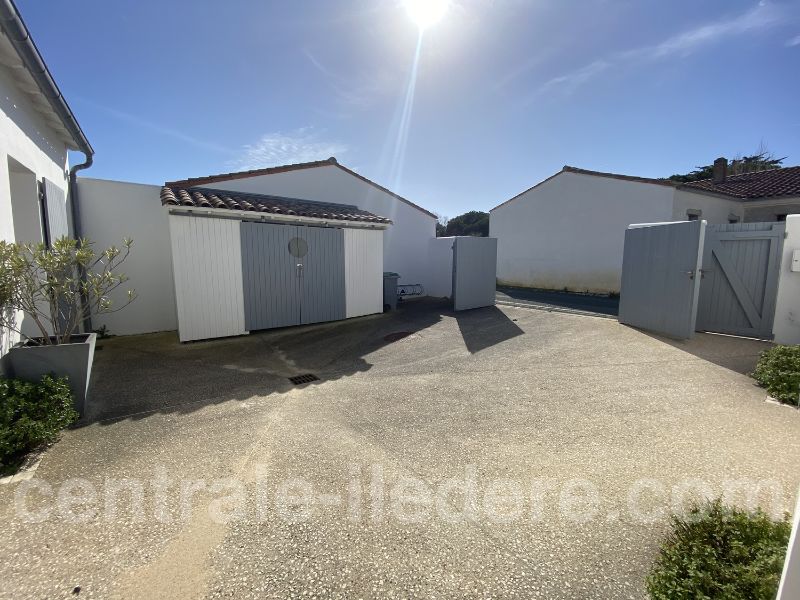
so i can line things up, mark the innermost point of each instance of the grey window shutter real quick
(56, 207)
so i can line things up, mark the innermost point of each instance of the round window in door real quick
(298, 247)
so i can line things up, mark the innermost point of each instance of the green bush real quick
(778, 370)
(718, 551)
(32, 415)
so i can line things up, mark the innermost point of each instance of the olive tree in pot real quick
(58, 288)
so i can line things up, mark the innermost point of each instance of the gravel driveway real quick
(499, 452)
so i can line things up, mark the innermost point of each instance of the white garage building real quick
(568, 231)
(244, 262)
(178, 245)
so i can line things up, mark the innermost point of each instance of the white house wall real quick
(207, 262)
(35, 151)
(405, 243)
(715, 210)
(363, 271)
(569, 232)
(768, 210)
(111, 211)
(787, 306)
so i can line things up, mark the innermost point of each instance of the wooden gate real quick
(291, 275)
(740, 278)
(659, 277)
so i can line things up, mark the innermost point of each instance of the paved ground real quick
(552, 300)
(443, 425)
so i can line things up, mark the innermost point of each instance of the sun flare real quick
(426, 12)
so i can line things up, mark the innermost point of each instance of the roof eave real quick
(247, 215)
(17, 33)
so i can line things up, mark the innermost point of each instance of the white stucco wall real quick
(769, 209)
(715, 210)
(35, 151)
(405, 244)
(111, 211)
(569, 232)
(787, 306)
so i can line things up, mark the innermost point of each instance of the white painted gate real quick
(474, 272)
(738, 290)
(660, 283)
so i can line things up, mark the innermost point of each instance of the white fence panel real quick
(363, 271)
(474, 272)
(207, 267)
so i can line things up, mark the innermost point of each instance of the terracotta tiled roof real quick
(331, 162)
(207, 198)
(750, 186)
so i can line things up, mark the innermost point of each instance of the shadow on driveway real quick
(134, 376)
(731, 352)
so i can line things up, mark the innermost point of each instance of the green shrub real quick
(32, 415)
(778, 370)
(718, 551)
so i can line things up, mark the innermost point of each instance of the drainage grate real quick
(305, 378)
(397, 335)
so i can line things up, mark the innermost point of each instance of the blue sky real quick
(507, 91)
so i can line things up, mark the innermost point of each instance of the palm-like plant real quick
(59, 286)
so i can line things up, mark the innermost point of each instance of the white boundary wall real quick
(207, 262)
(790, 580)
(111, 211)
(786, 327)
(363, 271)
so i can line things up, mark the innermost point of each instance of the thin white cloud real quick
(570, 81)
(274, 149)
(680, 45)
(795, 41)
(158, 129)
(359, 92)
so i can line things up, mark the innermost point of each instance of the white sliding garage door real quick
(233, 277)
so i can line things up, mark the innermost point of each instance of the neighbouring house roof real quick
(200, 181)
(753, 186)
(198, 197)
(747, 186)
(19, 52)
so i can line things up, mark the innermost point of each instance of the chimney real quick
(720, 170)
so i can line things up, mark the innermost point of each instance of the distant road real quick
(600, 305)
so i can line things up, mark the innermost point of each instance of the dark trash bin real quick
(390, 290)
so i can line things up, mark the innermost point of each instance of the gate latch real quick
(690, 274)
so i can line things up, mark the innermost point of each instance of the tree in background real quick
(474, 223)
(441, 225)
(762, 160)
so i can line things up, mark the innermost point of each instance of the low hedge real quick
(778, 370)
(718, 551)
(31, 416)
